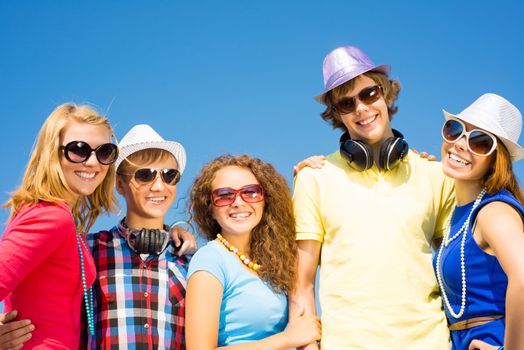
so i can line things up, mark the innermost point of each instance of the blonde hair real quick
(501, 175)
(44, 179)
(273, 241)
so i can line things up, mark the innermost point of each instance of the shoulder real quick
(500, 208)
(334, 163)
(210, 251)
(103, 236)
(47, 216)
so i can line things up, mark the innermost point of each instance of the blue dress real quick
(486, 282)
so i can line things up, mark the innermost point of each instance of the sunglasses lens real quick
(369, 95)
(77, 151)
(252, 193)
(452, 130)
(480, 142)
(170, 176)
(107, 153)
(223, 196)
(345, 106)
(145, 176)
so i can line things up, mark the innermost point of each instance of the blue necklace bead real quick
(88, 293)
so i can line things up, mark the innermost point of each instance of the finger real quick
(184, 248)
(8, 316)
(174, 236)
(18, 337)
(13, 325)
(432, 157)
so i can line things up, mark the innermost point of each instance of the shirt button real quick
(146, 294)
(146, 326)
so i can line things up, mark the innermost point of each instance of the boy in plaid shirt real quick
(141, 274)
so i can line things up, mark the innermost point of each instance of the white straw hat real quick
(142, 137)
(497, 115)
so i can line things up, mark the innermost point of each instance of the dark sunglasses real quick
(479, 142)
(146, 176)
(80, 151)
(367, 95)
(226, 195)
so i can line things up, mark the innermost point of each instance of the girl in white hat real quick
(480, 264)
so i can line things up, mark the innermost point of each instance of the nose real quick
(238, 201)
(92, 160)
(461, 143)
(158, 183)
(360, 106)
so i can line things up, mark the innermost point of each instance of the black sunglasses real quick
(80, 151)
(146, 176)
(367, 95)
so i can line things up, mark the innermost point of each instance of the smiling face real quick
(83, 178)
(238, 218)
(147, 203)
(459, 163)
(368, 123)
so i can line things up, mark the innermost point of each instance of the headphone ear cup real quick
(357, 153)
(392, 151)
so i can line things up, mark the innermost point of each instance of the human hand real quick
(303, 330)
(480, 345)
(425, 155)
(13, 334)
(315, 162)
(183, 239)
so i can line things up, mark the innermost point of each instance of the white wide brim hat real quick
(142, 137)
(498, 116)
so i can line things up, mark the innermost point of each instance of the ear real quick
(120, 185)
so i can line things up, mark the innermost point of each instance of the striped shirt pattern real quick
(139, 304)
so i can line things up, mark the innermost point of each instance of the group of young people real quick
(413, 254)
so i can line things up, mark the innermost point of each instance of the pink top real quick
(40, 274)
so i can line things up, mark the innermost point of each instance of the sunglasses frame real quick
(259, 189)
(375, 87)
(66, 149)
(467, 134)
(157, 172)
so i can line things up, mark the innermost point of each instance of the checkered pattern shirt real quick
(138, 304)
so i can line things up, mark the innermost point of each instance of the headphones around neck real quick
(359, 154)
(145, 240)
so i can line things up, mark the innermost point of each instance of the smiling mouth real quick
(85, 176)
(457, 159)
(367, 121)
(156, 200)
(239, 215)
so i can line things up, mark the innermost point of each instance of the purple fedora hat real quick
(345, 63)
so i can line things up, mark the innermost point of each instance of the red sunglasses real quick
(367, 95)
(226, 195)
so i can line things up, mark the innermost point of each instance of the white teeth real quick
(156, 199)
(86, 175)
(366, 121)
(458, 159)
(239, 215)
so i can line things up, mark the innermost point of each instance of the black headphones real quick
(359, 154)
(145, 240)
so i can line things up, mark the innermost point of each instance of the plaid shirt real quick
(138, 304)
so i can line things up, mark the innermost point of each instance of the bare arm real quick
(203, 299)
(304, 296)
(500, 231)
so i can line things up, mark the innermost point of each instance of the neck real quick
(467, 191)
(376, 146)
(239, 241)
(135, 221)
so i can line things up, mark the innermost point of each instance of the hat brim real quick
(384, 69)
(515, 150)
(176, 149)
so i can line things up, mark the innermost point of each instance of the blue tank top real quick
(486, 282)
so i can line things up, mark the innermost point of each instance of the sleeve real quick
(445, 208)
(29, 240)
(209, 260)
(306, 206)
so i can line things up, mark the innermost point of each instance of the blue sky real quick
(240, 76)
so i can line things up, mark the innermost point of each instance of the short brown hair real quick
(390, 89)
(501, 175)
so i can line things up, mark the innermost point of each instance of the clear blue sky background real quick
(240, 76)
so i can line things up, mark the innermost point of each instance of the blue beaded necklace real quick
(88, 300)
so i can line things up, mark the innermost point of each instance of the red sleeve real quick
(30, 237)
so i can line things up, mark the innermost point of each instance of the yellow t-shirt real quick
(377, 285)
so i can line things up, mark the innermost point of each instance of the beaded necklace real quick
(252, 265)
(88, 301)
(447, 240)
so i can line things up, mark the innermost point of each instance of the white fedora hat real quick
(142, 137)
(497, 115)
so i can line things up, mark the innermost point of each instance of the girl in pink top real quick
(46, 270)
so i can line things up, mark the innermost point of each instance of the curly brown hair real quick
(390, 89)
(273, 239)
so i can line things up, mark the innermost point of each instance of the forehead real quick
(94, 135)
(153, 159)
(361, 82)
(234, 177)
